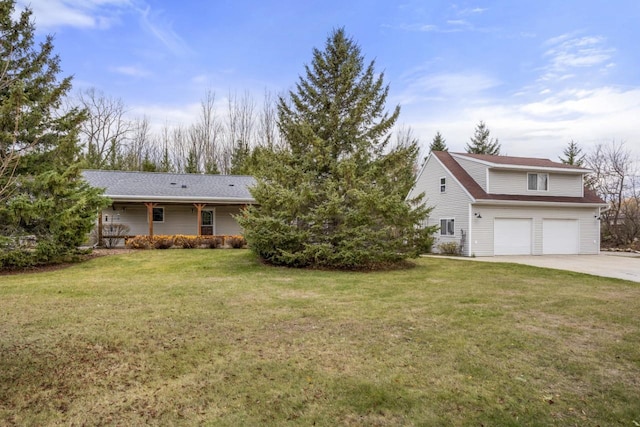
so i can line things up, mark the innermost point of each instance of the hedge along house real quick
(151, 203)
(501, 205)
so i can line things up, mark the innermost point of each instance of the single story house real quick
(502, 205)
(151, 203)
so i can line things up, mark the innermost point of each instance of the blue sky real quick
(539, 73)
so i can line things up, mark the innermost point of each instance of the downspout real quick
(470, 233)
(600, 212)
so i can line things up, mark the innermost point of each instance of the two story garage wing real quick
(503, 205)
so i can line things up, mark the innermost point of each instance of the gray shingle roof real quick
(171, 187)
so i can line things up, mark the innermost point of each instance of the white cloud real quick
(162, 30)
(98, 14)
(472, 11)
(103, 14)
(540, 127)
(166, 115)
(567, 53)
(131, 70)
(458, 86)
(457, 22)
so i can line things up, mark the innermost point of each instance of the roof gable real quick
(478, 193)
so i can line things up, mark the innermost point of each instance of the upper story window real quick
(158, 214)
(447, 227)
(443, 185)
(538, 181)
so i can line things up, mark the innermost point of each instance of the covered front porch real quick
(126, 219)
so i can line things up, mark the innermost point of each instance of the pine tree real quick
(438, 143)
(240, 157)
(573, 155)
(334, 196)
(192, 162)
(46, 209)
(481, 143)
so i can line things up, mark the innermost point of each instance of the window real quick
(443, 185)
(447, 227)
(207, 222)
(158, 214)
(538, 181)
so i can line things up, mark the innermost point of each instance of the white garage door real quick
(511, 236)
(560, 236)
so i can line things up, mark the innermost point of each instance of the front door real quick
(207, 223)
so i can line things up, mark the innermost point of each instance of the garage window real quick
(447, 227)
(538, 181)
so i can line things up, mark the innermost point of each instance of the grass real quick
(184, 337)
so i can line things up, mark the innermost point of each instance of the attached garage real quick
(560, 236)
(512, 236)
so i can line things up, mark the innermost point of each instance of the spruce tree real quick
(573, 155)
(334, 195)
(438, 143)
(481, 143)
(46, 209)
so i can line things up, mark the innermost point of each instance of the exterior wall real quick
(481, 237)
(225, 222)
(515, 182)
(478, 171)
(178, 219)
(453, 203)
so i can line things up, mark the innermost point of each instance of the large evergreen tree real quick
(481, 143)
(46, 209)
(335, 195)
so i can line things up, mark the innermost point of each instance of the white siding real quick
(515, 182)
(225, 222)
(178, 219)
(453, 203)
(478, 171)
(482, 243)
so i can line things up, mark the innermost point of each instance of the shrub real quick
(16, 259)
(449, 248)
(424, 241)
(138, 242)
(114, 233)
(187, 242)
(212, 242)
(236, 242)
(162, 242)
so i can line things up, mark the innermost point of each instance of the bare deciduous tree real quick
(106, 130)
(615, 180)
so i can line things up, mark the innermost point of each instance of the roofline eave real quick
(184, 199)
(538, 203)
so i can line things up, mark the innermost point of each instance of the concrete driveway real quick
(611, 264)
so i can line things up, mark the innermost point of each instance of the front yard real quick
(213, 337)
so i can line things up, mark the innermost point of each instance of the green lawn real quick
(183, 337)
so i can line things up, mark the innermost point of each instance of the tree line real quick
(216, 143)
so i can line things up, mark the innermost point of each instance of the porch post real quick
(150, 207)
(99, 228)
(199, 207)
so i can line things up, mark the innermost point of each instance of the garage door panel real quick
(560, 236)
(512, 236)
